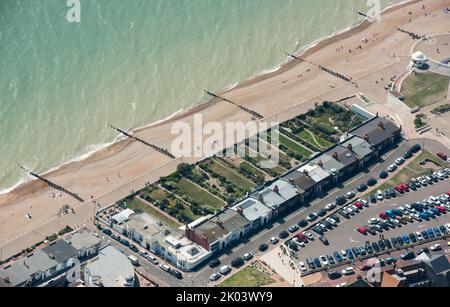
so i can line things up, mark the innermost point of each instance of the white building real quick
(110, 268)
(418, 60)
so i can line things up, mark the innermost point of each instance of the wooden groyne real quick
(247, 110)
(154, 147)
(53, 185)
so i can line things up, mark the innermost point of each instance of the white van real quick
(134, 260)
(224, 270)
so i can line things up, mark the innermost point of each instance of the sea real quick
(131, 63)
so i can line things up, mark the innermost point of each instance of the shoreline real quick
(119, 142)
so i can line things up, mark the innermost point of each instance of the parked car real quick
(214, 263)
(214, 277)
(224, 270)
(372, 182)
(442, 155)
(165, 268)
(373, 198)
(362, 230)
(384, 175)
(283, 235)
(247, 256)
(436, 247)
(391, 168)
(237, 262)
(274, 240)
(311, 217)
(361, 187)
(341, 200)
(176, 273)
(322, 212)
(330, 206)
(324, 240)
(263, 247)
(400, 161)
(293, 228)
(348, 271)
(302, 223)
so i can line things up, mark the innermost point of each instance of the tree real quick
(185, 169)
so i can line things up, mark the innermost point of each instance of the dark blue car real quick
(431, 233)
(406, 239)
(425, 235)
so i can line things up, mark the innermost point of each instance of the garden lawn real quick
(248, 277)
(235, 178)
(284, 140)
(200, 195)
(314, 139)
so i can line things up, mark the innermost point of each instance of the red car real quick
(402, 188)
(384, 216)
(362, 230)
(441, 209)
(302, 237)
(359, 205)
(448, 193)
(442, 155)
(365, 267)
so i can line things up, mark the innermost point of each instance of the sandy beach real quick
(110, 174)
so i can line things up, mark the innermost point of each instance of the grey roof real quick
(252, 209)
(269, 197)
(359, 146)
(82, 239)
(22, 270)
(221, 225)
(300, 179)
(439, 264)
(343, 155)
(329, 164)
(60, 251)
(111, 267)
(377, 130)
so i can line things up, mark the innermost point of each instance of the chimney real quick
(305, 171)
(366, 137)
(261, 198)
(291, 181)
(320, 163)
(350, 147)
(240, 210)
(335, 155)
(276, 189)
(381, 125)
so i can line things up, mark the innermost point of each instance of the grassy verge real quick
(248, 277)
(425, 89)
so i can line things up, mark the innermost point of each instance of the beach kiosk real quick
(418, 59)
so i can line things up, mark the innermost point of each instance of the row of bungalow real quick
(359, 147)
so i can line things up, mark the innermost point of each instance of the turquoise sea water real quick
(134, 62)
